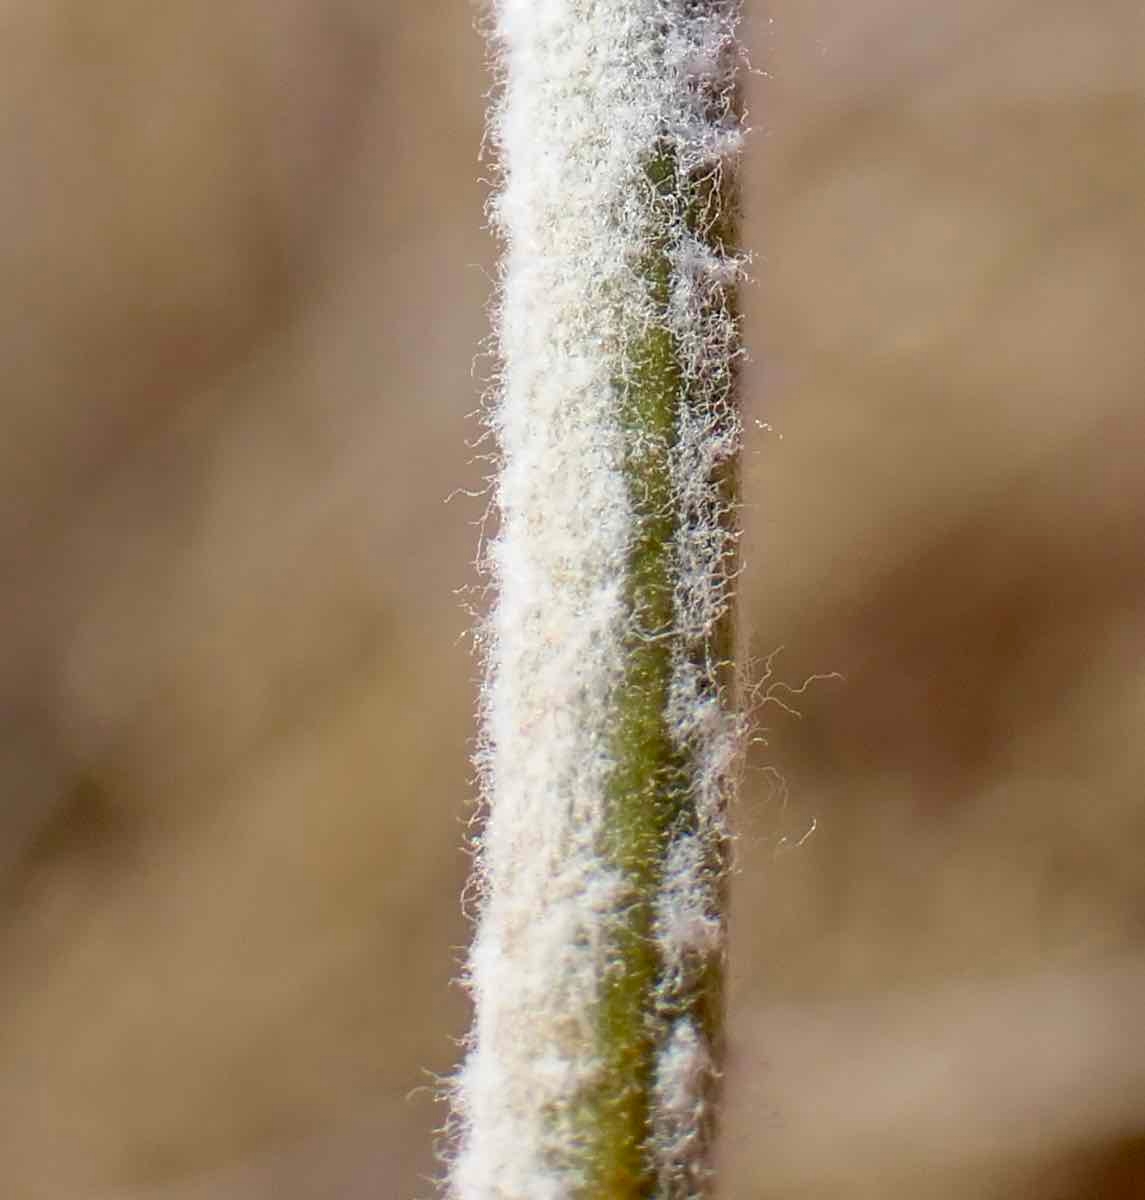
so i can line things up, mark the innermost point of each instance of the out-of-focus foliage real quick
(242, 284)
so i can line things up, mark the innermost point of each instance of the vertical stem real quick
(609, 733)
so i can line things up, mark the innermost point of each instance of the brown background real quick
(242, 279)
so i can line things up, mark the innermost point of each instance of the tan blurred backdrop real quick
(242, 281)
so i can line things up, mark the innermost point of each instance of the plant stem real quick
(609, 730)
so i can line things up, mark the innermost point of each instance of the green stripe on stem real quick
(648, 792)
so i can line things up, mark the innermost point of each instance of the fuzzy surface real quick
(608, 734)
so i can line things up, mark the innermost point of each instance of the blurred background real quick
(243, 273)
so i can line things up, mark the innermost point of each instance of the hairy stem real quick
(609, 728)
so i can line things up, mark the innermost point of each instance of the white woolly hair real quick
(592, 91)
